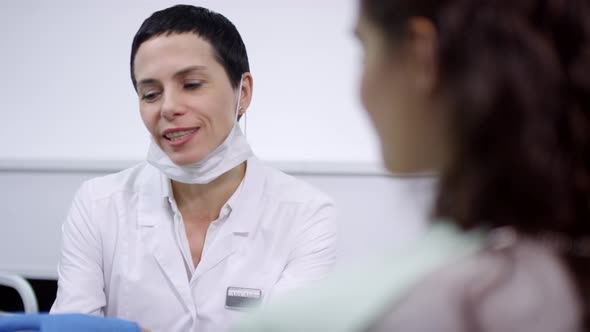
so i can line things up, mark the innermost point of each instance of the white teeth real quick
(176, 135)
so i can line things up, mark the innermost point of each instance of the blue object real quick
(65, 323)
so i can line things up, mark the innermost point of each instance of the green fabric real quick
(353, 300)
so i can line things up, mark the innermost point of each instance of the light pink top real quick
(522, 286)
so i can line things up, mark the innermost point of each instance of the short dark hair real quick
(228, 47)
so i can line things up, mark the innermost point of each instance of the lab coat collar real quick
(155, 190)
(156, 231)
(246, 207)
(154, 220)
(243, 203)
(167, 192)
(152, 197)
(241, 223)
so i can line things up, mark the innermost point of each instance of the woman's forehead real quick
(173, 52)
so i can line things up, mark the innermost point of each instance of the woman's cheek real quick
(149, 119)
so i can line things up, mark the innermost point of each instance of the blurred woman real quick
(495, 96)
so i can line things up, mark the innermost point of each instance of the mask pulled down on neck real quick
(233, 151)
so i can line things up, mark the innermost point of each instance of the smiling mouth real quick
(179, 135)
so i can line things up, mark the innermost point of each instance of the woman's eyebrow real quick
(180, 73)
(187, 70)
(147, 81)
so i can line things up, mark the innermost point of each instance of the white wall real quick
(67, 107)
(66, 91)
(376, 212)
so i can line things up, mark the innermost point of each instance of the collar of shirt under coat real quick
(167, 193)
(244, 202)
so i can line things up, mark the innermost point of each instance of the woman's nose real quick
(171, 106)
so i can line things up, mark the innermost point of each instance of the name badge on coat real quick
(238, 298)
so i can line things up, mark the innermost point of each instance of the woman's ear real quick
(246, 97)
(422, 49)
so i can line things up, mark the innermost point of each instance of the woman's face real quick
(397, 91)
(187, 102)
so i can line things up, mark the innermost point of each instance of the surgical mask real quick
(232, 152)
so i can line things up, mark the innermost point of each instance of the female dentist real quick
(203, 230)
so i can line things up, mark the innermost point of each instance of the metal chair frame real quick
(24, 289)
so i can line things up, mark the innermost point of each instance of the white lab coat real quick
(120, 257)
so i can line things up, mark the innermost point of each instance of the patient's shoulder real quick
(522, 287)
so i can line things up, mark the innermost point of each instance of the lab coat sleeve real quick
(80, 272)
(314, 249)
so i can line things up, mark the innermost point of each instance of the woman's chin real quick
(398, 165)
(183, 160)
(409, 166)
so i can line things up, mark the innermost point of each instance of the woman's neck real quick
(204, 201)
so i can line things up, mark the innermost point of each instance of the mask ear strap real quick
(246, 125)
(238, 108)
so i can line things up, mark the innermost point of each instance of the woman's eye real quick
(150, 96)
(192, 85)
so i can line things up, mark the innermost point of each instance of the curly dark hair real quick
(518, 74)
